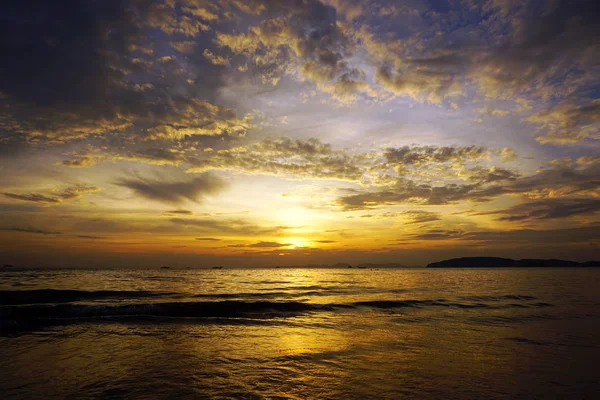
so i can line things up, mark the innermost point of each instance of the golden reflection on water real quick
(473, 342)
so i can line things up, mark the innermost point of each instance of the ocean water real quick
(300, 334)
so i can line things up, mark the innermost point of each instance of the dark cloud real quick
(493, 174)
(79, 162)
(566, 179)
(89, 69)
(175, 192)
(32, 230)
(177, 212)
(417, 155)
(438, 234)
(551, 208)
(59, 52)
(568, 122)
(90, 237)
(572, 235)
(209, 239)
(302, 36)
(538, 49)
(580, 234)
(34, 197)
(545, 41)
(54, 197)
(419, 217)
(410, 193)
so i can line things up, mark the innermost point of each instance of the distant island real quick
(498, 262)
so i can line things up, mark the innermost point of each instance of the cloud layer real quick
(264, 125)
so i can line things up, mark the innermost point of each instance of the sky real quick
(291, 132)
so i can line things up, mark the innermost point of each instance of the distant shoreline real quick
(463, 262)
(498, 262)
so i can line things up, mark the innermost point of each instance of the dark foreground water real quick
(301, 334)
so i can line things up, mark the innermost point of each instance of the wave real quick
(205, 309)
(45, 296)
(529, 341)
(264, 295)
(498, 298)
(500, 320)
(31, 317)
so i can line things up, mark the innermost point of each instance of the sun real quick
(297, 242)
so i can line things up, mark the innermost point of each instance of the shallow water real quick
(300, 333)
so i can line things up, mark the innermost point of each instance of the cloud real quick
(313, 159)
(438, 234)
(228, 226)
(419, 217)
(54, 196)
(572, 235)
(588, 160)
(90, 237)
(418, 155)
(208, 239)
(32, 230)
(175, 192)
(530, 48)
(270, 244)
(79, 162)
(542, 47)
(423, 85)
(165, 18)
(568, 122)
(492, 174)
(266, 245)
(33, 197)
(300, 39)
(482, 184)
(113, 81)
(552, 208)
(184, 47)
(215, 59)
(556, 180)
(494, 112)
(203, 11)
(294, 158)
(177, 212)
(410, 193)
(59, 86)
(407, 217)
(55, 68)
(109, 81)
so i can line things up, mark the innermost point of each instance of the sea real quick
(300, 333)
